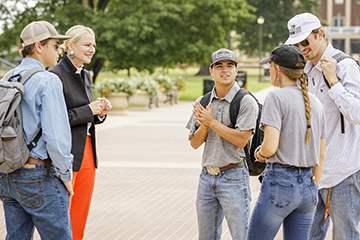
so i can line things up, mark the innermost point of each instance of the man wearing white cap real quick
(339, 189)
(31, 198)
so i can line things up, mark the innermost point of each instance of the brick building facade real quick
(343, 17)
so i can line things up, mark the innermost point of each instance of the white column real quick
(348, 13)
(347, 24)
(329, 12)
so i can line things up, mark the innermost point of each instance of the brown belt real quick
(215, 170)
(32, 162)
(233, 165)
(327, 206)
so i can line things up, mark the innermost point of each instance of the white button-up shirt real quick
(342, 157)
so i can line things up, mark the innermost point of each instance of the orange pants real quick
(83, 184)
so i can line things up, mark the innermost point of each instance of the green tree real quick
(167, 32)
(276, 15)
(142, 34)
(62, 14)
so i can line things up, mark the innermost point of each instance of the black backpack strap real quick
(48, 168)
(204, 101)
(234, 111)
(235, 106)
(339, 57)
(33, 143)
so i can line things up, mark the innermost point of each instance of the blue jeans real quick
(344, 211)
(29, 201)
(226, 194)
(287, 196)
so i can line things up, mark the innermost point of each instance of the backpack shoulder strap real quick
(8, 75)
(25, 77)
(235, 106)
(23, 80)
(204, 101)
(338, 57)
(29, 73)
(341, 56)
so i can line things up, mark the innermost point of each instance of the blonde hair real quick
(75, 33)
(295, 75)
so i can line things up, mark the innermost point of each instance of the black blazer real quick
(78, 94)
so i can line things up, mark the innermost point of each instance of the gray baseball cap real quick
(37, 31)
(222, 54)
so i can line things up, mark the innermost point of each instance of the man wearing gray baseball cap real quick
(31, 198)
(337, 85)
(223, 189)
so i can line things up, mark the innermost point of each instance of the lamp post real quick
(260, 21)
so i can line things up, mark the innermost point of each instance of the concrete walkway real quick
(147, 179)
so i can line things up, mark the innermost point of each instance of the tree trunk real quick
(204, 70)
(96, 66)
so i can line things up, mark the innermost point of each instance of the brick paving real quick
(147, 179)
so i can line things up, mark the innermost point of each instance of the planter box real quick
(119, 102)
(140, 101)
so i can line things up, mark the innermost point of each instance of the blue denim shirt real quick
(43, 106)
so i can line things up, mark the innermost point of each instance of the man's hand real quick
(328, 65)
(203, 116)
(69, 189)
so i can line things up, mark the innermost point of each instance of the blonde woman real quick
(83, 114)
(294, 147)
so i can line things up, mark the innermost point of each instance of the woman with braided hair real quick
(293, 148)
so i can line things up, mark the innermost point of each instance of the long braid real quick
(304, 90)
(299, 74)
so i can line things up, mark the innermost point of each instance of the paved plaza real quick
(147, 178)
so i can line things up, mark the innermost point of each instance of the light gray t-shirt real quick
(284, 109)
(218, 151)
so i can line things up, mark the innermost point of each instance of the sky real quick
(19, 6)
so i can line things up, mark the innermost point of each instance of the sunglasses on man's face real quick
(303, 43)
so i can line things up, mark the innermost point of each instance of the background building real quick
(343, 17)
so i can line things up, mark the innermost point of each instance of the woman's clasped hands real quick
(100, 107)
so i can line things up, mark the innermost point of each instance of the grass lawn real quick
(194, 84)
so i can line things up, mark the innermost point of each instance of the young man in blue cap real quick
(339, 189)
(223, 188)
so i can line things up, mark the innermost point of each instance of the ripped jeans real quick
(287, 196)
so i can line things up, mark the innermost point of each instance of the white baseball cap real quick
(300, 27)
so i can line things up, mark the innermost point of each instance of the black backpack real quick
(255, 168)
(339, 57)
